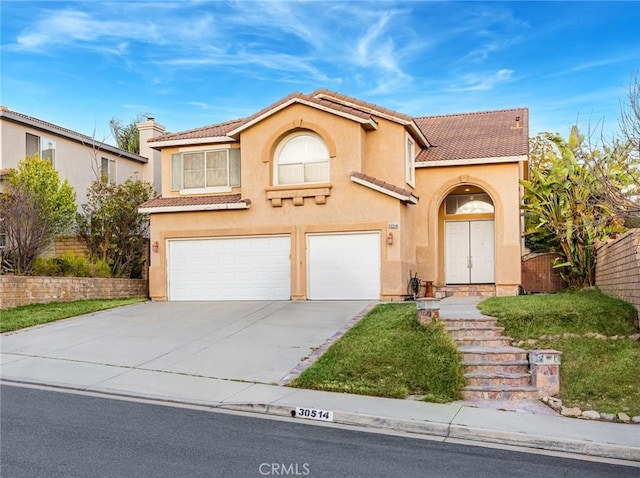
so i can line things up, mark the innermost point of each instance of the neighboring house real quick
(323, 196)
(78, 158)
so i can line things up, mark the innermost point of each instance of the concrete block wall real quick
(21, 290)
(538, 274)
(618, 267)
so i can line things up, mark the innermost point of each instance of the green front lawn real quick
(602, 375)
(36, 314)
(389, 354)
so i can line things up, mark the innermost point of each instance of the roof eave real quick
(71, 135)
(194, 208)
(471, 161)
(407, 199)
(368, 124)
(191, 142)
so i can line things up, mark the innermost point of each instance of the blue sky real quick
(195, 63)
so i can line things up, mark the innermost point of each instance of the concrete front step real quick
(500, 392)
(483, 366)
(492, 354)
(498, 378)
(483, 341)
(466, 290)
(475, 331)
(468, 323)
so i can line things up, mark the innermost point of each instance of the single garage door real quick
(246, 268)
(343, 266)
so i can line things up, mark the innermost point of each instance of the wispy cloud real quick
(483, 82)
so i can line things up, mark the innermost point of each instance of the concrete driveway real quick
(250, 341)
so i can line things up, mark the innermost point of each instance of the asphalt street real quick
(47, 433)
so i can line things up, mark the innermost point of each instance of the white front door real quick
(469, 252)
(343, 266)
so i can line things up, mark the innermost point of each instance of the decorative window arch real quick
(300, 158)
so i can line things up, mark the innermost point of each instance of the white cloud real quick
(483, 82)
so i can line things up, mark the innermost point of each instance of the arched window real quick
(468, 204)
(301, 158)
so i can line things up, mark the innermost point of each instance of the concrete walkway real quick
(527, 424)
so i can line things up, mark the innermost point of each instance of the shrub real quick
(70, 265)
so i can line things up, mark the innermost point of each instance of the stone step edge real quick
(494, 362)
(491, 350)
(500, 388)
(497, 375)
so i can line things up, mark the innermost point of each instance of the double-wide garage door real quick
(247, 268)
(339, 266)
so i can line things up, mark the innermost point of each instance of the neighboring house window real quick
(108, 170)
(468, 204)
(410, 167)
(301, 158)
(210, 171)
(44, 147)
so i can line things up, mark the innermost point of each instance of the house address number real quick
(313, 414)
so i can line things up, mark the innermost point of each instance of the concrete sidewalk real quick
(528, 425)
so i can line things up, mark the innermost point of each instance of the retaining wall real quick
(22, 290)
(618, 267)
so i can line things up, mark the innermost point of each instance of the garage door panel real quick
(256, 268)
(343, 266)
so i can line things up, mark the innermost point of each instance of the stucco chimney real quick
(152, 173)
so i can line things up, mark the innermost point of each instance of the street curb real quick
(453, 431)
(445, 431)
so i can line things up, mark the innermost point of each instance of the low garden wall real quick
(22, 290)
(618, 268)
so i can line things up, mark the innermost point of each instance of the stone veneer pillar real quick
(545, 371)
(428, 309)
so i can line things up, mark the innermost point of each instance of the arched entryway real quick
(467, 219)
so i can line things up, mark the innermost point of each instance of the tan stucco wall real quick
(349, 207)
(500, 181)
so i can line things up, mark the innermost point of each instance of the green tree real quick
(566, 201)
(36, 207)
(111, 226)
(127, 136)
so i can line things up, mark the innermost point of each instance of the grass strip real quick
(389, 354)
(36, 314)
(530, 316)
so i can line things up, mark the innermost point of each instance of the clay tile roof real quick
(407, 194)
(488, 134)
(160, 201)
(211, 131)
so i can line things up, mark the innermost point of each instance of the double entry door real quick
(469, 252)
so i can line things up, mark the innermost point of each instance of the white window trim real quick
(281, 145)
(205, 190)
(410, 161)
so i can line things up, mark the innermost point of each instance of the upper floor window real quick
(468, 204)
(301, 158)
(207, 171)
(108, 170)
(44, 147)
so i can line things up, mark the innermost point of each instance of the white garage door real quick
(343, 266)
(248, 268)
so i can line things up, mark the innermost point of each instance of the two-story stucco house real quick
(78, 158)
(324, 196)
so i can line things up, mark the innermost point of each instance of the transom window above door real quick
(457, 204)
(301, 158)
